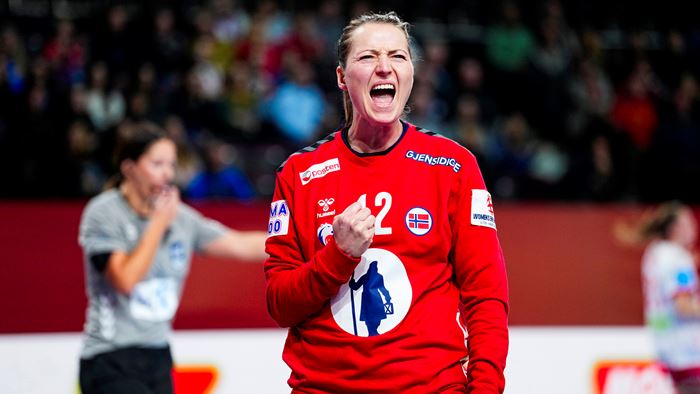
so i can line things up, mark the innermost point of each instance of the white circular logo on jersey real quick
(324, 232)
(419, 221)
(377, 297)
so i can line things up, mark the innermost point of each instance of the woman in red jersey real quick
(383, 206)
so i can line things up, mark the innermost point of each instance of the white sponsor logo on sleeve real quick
(279, 218)
(482, 209)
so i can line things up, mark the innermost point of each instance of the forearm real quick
(253, 246)
(126, 270)
(297, 291)
(482, 279)
(241, 245)
(487, 329)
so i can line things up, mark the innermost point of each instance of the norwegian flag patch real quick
(419, 221)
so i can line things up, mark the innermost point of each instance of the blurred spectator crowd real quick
(556, 100)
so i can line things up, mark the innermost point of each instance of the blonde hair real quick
(390, 18)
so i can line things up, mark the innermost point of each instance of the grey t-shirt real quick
(142, 318)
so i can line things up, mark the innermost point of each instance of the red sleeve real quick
(481, 277)
(296, 288)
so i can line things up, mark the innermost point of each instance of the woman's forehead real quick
(162, 146)
(379, 36)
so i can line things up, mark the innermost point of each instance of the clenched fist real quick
(353, 229)
(165, 205)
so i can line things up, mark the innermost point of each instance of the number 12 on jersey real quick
(383, 200)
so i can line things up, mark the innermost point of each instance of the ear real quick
(340, 74)
(126, 166)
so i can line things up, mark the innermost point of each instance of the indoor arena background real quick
(582, 114)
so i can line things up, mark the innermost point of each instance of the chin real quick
(384, 119)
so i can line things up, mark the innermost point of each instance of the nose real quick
(383, 64)
(169, 174)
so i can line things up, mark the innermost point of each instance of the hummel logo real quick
(326, 203)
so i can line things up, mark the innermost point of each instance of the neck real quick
(135, 201)
(366, 138)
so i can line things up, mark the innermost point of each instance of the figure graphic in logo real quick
(373, 308)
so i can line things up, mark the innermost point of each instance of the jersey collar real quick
(344, 135)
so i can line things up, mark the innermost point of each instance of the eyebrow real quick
(375, 51)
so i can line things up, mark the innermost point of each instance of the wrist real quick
(158, 224)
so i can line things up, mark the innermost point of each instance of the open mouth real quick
(383, 94)
(159, 189)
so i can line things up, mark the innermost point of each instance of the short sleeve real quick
(204, 229)
(99, 232)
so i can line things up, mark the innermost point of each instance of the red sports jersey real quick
(388, 322)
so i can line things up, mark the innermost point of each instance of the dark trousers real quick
(132, 370)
